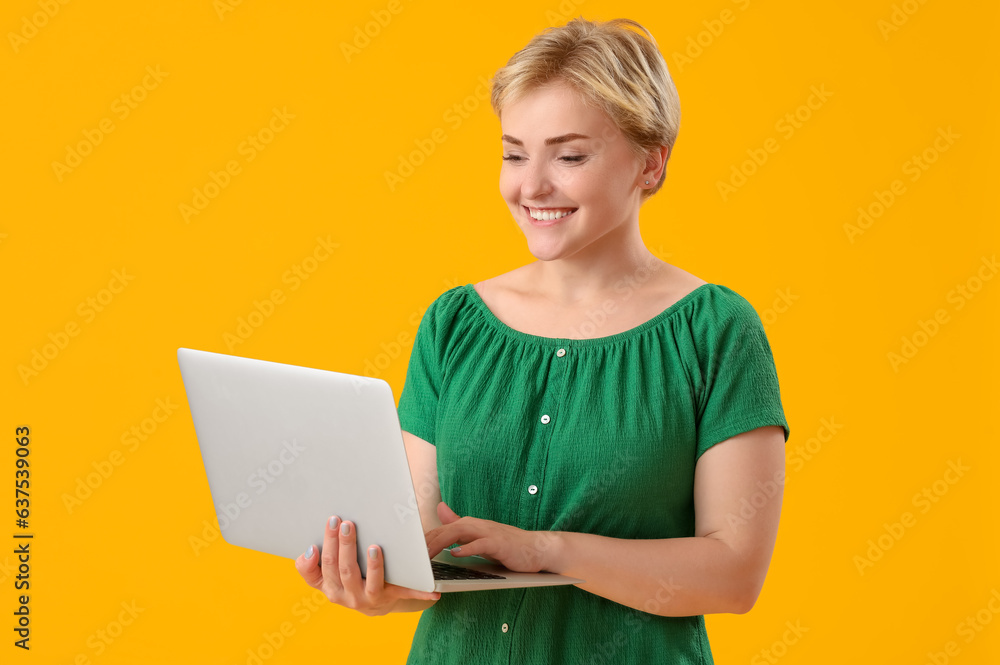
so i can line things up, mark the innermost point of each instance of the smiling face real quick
(561, 156)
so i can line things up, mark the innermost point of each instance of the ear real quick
(656, 163)
(446, 514)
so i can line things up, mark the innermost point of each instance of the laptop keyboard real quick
(446, 571)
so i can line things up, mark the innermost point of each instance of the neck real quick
(618, 260)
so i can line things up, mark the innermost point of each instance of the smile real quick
(549, 215)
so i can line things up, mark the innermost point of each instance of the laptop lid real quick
(285, 447)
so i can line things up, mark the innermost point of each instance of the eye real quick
(568, 158)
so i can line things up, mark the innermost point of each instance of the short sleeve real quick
(739, 380)
(418, 402)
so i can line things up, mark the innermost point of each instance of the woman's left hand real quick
(517, 549)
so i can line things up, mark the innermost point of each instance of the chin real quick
(547, 251)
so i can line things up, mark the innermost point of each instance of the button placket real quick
(545, 419)
(535, 469)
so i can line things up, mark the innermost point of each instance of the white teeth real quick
(545, 215)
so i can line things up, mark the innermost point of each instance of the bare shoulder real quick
(678, 282)
(503, 288)
(508, 297)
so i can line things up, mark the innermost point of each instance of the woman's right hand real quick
(339, 577)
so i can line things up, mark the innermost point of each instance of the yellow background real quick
(323, 175)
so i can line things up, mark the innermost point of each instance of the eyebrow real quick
(549, 141)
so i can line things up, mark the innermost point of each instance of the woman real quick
(598, 412)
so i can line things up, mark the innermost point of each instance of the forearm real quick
(411, 605)
(668, 577)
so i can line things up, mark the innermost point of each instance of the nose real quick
(536, 180)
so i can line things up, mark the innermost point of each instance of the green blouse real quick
(593, 435)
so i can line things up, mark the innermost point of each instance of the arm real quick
(737, 495)
(411, 605)
(422, 458)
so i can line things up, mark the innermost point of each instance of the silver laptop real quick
(285, 447)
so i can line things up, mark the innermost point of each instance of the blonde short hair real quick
(614, 69)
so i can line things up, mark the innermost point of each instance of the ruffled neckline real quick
(490, 318)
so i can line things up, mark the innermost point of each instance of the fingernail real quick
(310, 551)
(334, 522)
(372, 552)
(345, 529)
(456, 549)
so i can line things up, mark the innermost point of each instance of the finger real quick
(446, 514)
(468, 549)
(476, 547)
(429, 535)
(453, 533)
(375, 585)
(433, 540)
(308, 566)
(375, 581)
(330, 557)
(350, 572)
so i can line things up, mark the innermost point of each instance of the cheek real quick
(509, 187)
(613, 185)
